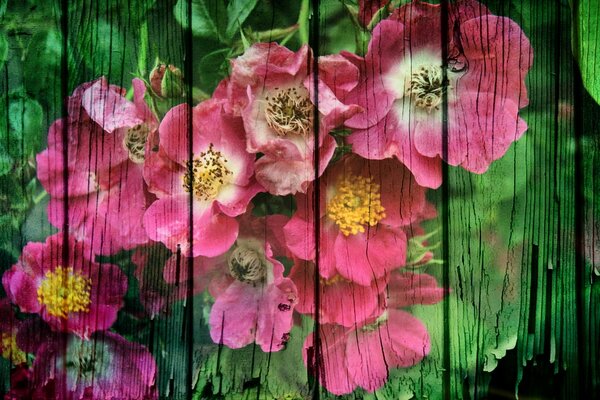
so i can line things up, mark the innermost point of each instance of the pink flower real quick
(72, 295)
(255, 303)
(221, 184)
(363, 355)
(105, 367)
(406, 289)
(272, 89)
(106, 139)
(341, 302)
(365, 207)
(402, 89)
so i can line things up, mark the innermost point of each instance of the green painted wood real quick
(519, 245)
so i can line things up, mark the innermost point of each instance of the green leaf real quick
(36, 227)
(6, 162)
(212, 68)
(3, 48)
(3, 4)
(587, 44)
(208, 17)
(237, 12)
(25, 117)
(105, 48)
(42, 70)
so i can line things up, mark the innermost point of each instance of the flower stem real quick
(143, 54)
(303, 21)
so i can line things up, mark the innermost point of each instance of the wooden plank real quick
(515, 247)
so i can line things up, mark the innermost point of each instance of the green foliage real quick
(213, 67)
(267, 204)
(586, 42)
(237, 12)
(251, 373)
(42, 67)
(25, 117)
(3, 48)
(208, 18)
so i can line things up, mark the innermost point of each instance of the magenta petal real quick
(363, 257)
(108, 108)
(341, 302)
(174, 134)
(501, 57)
(213, 234)
(335, 376)
(299, 235)
(233, 200)
(409, 340)
(406, 289)
(125, 208)
(366, 357)
(338, 73)
(163, 176)
(167, 221)
(275, 313)
(22, 290)
(401, 197)
(233, 316)
(387, 45)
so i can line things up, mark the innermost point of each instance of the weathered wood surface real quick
(518, 245)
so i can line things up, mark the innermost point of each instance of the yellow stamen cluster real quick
(64, 291)
(289, 111)
(10, 350)
(426, 87)
(135, 142)
(357, 203)
(209, 174)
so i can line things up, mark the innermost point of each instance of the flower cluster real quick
(121, 176)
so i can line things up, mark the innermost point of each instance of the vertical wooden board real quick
(516, 246)
(586, 126)
(512, 228)
(588, 147)
(30, 100)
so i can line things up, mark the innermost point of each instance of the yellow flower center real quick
(426, 87)
(357, 203)
(10, 350)
(289, 111)
(209, 174)
(64, 291)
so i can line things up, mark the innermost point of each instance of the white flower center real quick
(289, 111)
(135, 142)
(426, 87)
(247, 262)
